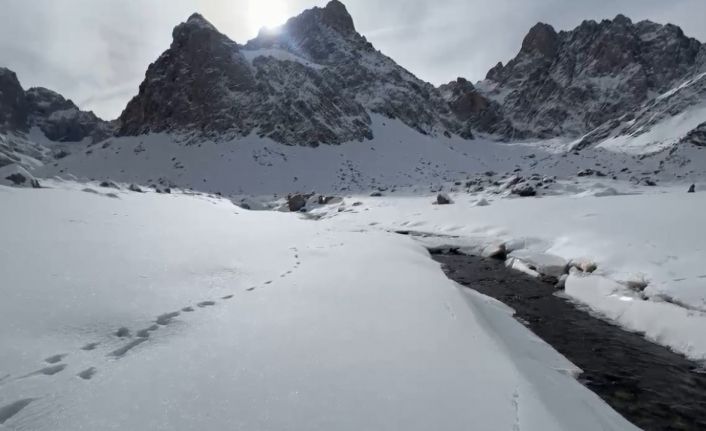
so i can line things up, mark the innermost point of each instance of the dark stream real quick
(651, 386)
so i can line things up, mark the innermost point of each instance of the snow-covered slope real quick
(140, 311)
(396, 159)
(675, 117)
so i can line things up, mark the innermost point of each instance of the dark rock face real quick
(697, 136)
(313, 81)
(13, 104)
(200, 83)
(571, 82)
(60, 119)
(542, 39)
(474, 110)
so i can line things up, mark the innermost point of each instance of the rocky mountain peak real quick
(541, 39)
(570, 82)
(198, 33)
(336, 16)
(324, 35)
(198, 20)
(191, 85)
(13, 105)
(312, 81)
(621, 19)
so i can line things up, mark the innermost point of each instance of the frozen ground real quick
(124, 310)
(648, 245)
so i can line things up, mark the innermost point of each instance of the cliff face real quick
(568, 83)
(314, 80)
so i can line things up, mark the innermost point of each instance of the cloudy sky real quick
(96, 51)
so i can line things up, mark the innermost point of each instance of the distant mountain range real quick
(316, 80)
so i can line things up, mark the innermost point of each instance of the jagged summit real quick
(198, 19)
(337, 17)
(542, 39)
(58, 118)
(621, 19)
(324, 35)
(312, 81)
(568, 83)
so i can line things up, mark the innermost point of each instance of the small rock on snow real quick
(443, 199)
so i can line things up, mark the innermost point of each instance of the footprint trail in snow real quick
(133, 340)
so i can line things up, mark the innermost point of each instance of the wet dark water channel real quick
(649, 385)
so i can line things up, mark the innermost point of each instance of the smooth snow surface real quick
(139, 311)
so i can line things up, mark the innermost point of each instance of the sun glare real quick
(267, 13)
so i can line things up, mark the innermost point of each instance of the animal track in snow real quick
(10, 410)
(55, 358)
(88, 373)
(166, 318)
(145, 333)
(250, 289)
(206, 304)
(228, 297)
(122, 332)
(90, 346)
(188, 309)
(46, 371)
(121, 351)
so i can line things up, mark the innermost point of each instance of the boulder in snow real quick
(692, 189)
(109, 184)
(135, 188)
(296, 202)
(524, 190)
(495, 251)
(443, 199)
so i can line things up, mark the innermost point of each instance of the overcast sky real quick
(96, 51)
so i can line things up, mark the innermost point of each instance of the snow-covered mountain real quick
(314, 80)
(55, 119)
(568, 83)
(214, 114)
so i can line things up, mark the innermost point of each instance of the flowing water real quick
(650, 385)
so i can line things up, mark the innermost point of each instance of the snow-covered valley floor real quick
(140, 311)
(647, 244)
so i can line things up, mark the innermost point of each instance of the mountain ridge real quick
(316, 80)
